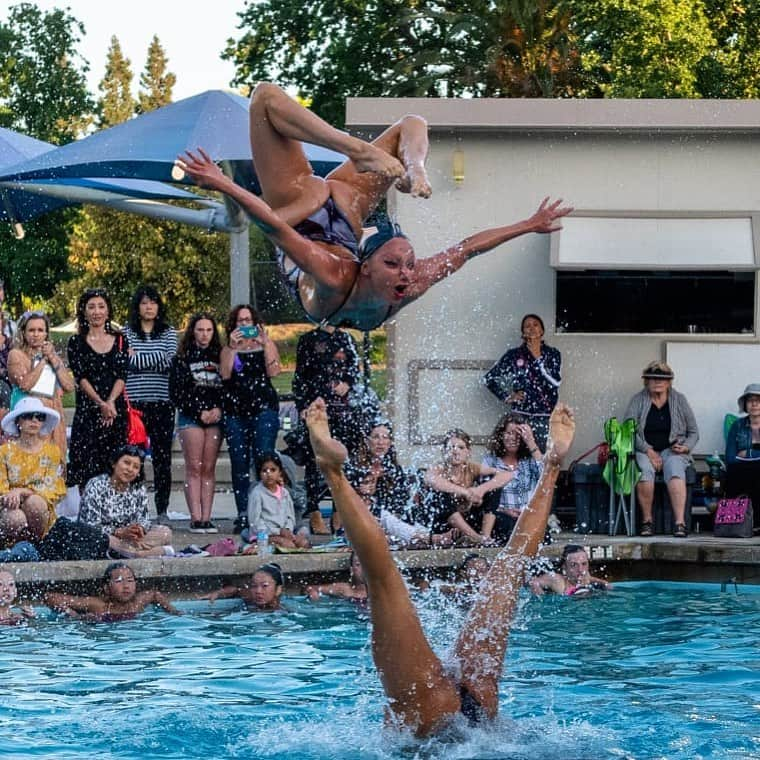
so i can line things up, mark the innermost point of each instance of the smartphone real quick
(249, 331)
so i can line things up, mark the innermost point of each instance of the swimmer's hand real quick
(27, 611)
(546, 217)
(202, 170)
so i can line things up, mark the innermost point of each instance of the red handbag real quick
(137, 435)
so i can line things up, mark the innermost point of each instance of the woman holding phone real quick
(251, 407)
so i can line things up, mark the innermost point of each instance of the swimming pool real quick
(649, 670)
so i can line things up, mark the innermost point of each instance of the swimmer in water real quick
(355, 589)
(337, 273)
(7, 598)
(573, 578)
(262, 592)
(118, 601)
(423, 695)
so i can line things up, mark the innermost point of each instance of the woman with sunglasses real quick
(99, 358)
(36, 369)
(31, 480)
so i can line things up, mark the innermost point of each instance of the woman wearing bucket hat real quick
(31, 483)
(743, 451)
(666, 433)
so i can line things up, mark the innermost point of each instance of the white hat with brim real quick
(30, 405)
(753, 389)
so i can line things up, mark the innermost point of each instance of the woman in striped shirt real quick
(152, 346)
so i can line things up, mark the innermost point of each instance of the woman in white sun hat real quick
(31, 481)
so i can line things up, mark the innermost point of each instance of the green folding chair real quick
(621, 473)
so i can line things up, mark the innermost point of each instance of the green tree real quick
(332, 49)
(116, 103)
(42, 76)
(156, 82)
(43, 93)
(643, 48)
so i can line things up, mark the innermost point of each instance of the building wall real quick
(475, 315)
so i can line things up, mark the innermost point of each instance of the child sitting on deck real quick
(270, 506)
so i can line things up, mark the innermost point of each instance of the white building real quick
(659, 260)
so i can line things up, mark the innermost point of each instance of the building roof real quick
(560, 115)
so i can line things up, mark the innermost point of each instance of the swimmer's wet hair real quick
(115, 566)
(570, 549)
(274, 570)
(379, 230)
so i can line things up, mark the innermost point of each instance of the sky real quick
(192, 33)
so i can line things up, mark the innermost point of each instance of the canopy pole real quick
(240, 267)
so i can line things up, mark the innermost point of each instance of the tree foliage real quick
(116, 103)
(42, 76)
(156, 83)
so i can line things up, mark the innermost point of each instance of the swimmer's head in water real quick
(357, 571)
(266, 585)
(574, 563)
(120, 583)
(7, 589)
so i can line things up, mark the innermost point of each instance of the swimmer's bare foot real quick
(561, 433)
(415, 182)
(370, 158)
(330, 454)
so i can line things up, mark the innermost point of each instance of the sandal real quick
(646, 529)
(680, 530)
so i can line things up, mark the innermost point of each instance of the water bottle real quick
(262, 542)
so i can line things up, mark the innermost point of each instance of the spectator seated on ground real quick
(355, 589)
(512, 449)
(743, 451)
(573, 578)
(262, 593)
(270, 507)
(666, 433)
(119, 599)
(7, 599)
(457, 499)
(397, 530)
(117, 504)
(31, 473)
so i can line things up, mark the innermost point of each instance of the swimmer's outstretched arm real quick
(68, 604)
(435, 268)
(329, 270)
(160, 600)
(483, 641)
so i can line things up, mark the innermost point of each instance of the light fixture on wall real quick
(457, 165)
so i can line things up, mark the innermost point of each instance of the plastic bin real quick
(592, 499)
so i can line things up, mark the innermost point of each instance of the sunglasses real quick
(38, 416)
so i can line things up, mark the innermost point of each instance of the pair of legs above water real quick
(423, 695)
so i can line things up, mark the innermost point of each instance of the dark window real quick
(622, 301)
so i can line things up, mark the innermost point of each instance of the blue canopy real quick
(147, 146)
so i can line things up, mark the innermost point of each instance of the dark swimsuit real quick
(470, 707)
(326, 225)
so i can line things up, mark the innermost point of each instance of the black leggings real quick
(158, 417)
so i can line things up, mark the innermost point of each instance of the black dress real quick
(92, 442)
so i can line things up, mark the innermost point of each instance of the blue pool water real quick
(646, 671)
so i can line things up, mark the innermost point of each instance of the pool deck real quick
(700, 558)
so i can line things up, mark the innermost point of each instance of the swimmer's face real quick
(391, 269)
(457, 451)
(379, 441)
(7, 589)
(264, 590)
(203, 332)
(576, 566)
(357, 571)
(126, 469)
(122, 586)
(475, 570)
